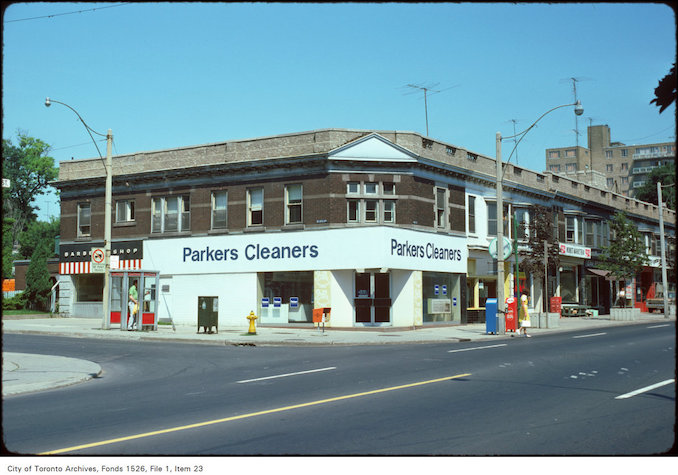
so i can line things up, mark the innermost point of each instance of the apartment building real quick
(386, 228)
(616, 166)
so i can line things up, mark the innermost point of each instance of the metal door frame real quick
(372, 322)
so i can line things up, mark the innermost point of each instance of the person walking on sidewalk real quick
(525, 320)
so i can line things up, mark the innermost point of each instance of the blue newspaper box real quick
(491, 316)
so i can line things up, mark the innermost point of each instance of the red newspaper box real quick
(555, 304)
(511, 315)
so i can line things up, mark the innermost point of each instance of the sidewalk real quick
(23, 373)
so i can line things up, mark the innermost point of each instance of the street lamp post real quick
(107, 208)
(501, 327)
(663, 250)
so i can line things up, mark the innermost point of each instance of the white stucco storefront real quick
(367, 276)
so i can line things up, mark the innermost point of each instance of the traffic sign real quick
(98, 260)
(492, 248)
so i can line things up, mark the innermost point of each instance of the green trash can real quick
(594, 313)
(208, 314)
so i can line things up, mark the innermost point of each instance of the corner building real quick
(385, 228)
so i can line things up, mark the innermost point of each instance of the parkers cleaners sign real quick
(356, 248)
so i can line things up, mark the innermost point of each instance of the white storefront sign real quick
(575, 250)
(357, 248)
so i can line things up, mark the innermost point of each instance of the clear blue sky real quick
(169, 75)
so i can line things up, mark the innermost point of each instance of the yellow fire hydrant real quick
(252, 317)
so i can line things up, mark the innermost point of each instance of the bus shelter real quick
(147, 289)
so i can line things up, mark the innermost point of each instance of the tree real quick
(540, 229)
(625, 256)
(29, 169)
(665, 92)
(666, 175)
(7, 246)
(36, 234)
(38, 284)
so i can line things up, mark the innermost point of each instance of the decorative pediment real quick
(372, 147)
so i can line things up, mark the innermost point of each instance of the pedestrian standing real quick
(133, 306)
(525, 320)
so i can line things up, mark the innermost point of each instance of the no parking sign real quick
(98, 260)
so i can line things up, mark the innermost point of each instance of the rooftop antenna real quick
(428, 90)
(515, 144)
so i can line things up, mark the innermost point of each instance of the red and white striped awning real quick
(86, 267)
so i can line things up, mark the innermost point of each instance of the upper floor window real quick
(472, 214)
(293, 199)
(441, 207)
(353, 187)
(523, 218)
(570, 153)
(574, 229)
(492, 219)
(124, 211)
(571, 167)
(389, 211)
(255, 206)
(84, 220)
(353, 211)
(219, 209)
(170, 214)
(389, 188)
(608, 153)
(371, 211)
(610, 182)
(624, 166)
(554, 168)
(625, 152)
(609, 168)
(371, 188)
(554, 154)
(590, 238)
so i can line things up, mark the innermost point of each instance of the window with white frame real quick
(371, 188)
(353, 211)
(255, 206)
(608, 153)
(471, 214)
(170, 214)
(124, 211)
(570, 228)
(219, 209)
(353, 188)
(625, 152)
(389, 211)
(522, 215)
(84, 220)
(371, 211)
(388, 188)
(441, 207)
(293, 202)
(591, 232)
(492, 218)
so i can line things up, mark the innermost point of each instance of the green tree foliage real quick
(7, 245)
(29, 169)
(38, 282)
(666, 175)
(38, 233)
(625, 256)
(540, 229)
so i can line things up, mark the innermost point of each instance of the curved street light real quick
(501, 327)
(107, 209)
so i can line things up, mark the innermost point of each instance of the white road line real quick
(645, 389)
(586, 336)
(477, 348)
(659, 326)
(287, 374)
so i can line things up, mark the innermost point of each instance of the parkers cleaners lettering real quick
(429, 251)
(252, 252)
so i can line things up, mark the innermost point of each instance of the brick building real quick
(387, 228)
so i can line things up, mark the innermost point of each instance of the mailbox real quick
(491, 316)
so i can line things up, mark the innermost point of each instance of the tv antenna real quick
(574, 91)
(428, 90)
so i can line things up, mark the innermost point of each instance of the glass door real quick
(372, 298)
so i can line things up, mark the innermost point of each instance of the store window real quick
(84, 220)
(170, 214)
(293, 200)
(442, 297)
(255, 206)
(295, 291)
(568, 284)
(124, 211)
(219, 209)
(88, 287)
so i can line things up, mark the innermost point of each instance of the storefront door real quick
(372, 298)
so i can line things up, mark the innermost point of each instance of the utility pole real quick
(663, 245)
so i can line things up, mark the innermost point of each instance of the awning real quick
(600, 273)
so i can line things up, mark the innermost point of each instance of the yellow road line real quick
(246, 416)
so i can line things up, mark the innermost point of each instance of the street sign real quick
(6, 183)
(492, 248)
(98, 260)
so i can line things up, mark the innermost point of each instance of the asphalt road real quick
(556, 394)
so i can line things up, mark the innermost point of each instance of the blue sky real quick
(164, 75)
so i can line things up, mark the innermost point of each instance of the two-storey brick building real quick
(385, 228)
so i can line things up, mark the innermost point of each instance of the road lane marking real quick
(659, 326)
(589, 335)
(252, 414)
(645, 389)
(477, 348)
(286, 374)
